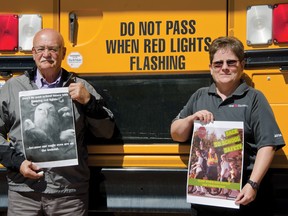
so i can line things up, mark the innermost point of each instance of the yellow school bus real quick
(146, 58)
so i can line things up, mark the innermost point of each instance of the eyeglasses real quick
(219, 64)
(50, 49)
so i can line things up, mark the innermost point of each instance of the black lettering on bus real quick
(149, 28)
(157, 63)
(127, 29)
(122, 46)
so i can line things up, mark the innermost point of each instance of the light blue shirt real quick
(41, 82)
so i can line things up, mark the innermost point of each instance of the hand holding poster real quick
(47, 126)
(215, 163)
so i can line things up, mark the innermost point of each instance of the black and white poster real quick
(47, 126)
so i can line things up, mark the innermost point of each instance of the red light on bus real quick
(280, 23)
(9, 32)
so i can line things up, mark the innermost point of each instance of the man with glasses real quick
(229, 98)
(53, 191)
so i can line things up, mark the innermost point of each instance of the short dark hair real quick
(231, 42)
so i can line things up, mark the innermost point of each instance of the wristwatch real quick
(253, 184)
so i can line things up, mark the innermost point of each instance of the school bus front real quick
(146, 58)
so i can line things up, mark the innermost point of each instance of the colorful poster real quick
(215, 163)
(47, 126)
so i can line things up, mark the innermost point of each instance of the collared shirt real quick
(41, 82)
(245, 104)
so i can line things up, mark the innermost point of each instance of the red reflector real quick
(280, 23)
(9, 32)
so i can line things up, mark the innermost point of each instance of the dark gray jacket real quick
(94, 116)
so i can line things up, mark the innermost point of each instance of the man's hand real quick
(30, 170)
(79, 93)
